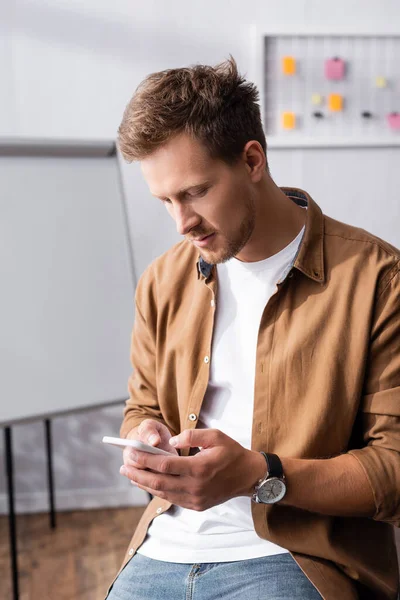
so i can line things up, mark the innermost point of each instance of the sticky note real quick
(334, 68)
(288, 65)
(316, 99)
(335, 102)
(394, 120)
(380, 82)
(288, 120)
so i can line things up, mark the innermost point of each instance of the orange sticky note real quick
(288, 120)
(335, 102)
(288, 65)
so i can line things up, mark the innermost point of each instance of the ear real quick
(255, 160)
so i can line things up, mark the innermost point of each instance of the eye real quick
(201, 192)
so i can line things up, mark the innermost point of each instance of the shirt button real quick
(159, 510)
(212, 303)
(206, 359)
(192, 417)
(131, 552)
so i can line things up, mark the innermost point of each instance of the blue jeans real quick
(276, 577)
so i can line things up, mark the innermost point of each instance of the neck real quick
(278, 221)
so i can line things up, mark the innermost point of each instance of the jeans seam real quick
(191, 581)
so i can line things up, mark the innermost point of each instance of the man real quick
(266, 343)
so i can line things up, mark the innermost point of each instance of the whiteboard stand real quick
(120, 273)
(50, 478)
(11, 500)
(11, 510)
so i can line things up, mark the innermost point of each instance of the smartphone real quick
(136, 444)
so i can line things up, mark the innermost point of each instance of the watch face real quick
(272, 491)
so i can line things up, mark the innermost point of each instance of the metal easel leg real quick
(50, 478)
(11, 511)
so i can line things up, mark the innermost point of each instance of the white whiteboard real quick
(367, 58)
(67, 285)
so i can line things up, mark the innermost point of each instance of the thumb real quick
(195, 438)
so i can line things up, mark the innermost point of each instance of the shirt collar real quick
(310, 255)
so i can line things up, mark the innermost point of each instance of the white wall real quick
(69, 68)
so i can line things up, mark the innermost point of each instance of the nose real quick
(185, 219)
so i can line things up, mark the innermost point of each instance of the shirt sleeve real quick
(380, 404)
(142, 383)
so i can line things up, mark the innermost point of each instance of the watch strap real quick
(274, 465)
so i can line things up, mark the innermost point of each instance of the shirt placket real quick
(194, 407)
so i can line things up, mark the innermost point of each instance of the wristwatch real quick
(272, 487)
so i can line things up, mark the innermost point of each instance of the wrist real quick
(258, 470)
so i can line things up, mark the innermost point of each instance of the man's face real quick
(219, 200)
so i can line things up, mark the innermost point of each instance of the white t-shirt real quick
(226, 532)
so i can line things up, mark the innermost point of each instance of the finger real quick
(180, 499)
(148, 432)
(132, 463)
(200, 438)
(156, 481)
(127, 458)
(173, 465)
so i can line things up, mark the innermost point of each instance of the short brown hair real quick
(213, 104)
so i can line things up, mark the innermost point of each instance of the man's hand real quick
(150, 432)
(222, 470)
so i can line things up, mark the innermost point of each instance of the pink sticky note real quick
(394, 120)
(334, 68)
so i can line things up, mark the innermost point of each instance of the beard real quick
(235, 244)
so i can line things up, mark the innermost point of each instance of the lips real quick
(203, 238)
(201, 242)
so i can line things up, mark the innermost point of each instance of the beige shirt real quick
(327, 382)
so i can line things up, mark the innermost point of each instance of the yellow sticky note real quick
(288, 120)
(316, 99)
(380, 82)
(335, 102)
(288, 65)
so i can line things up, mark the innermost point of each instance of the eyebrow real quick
(183, 191)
